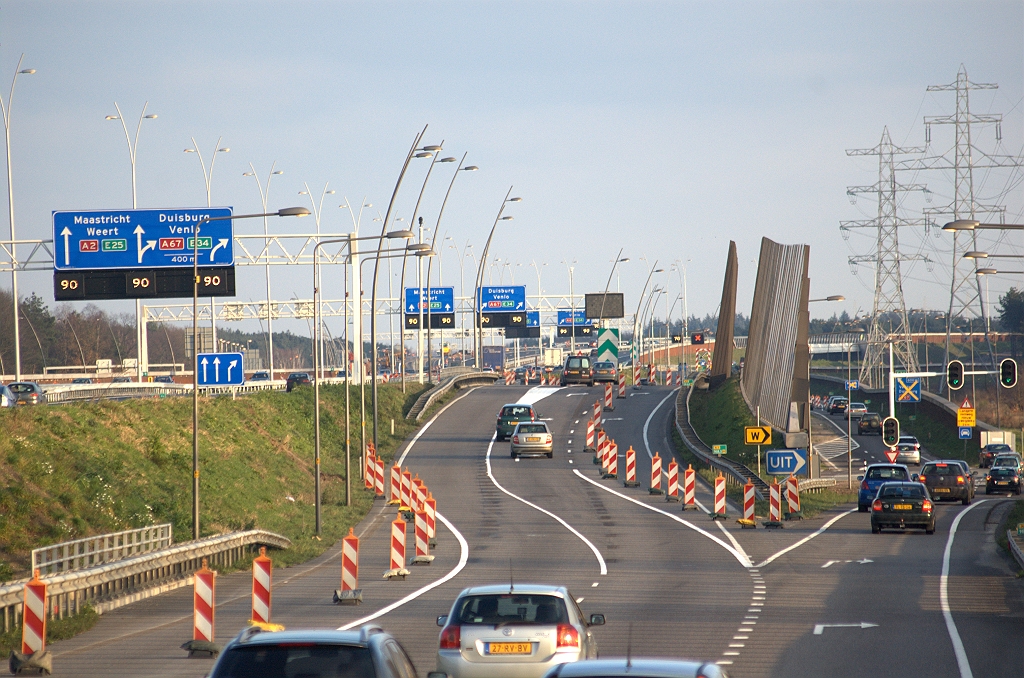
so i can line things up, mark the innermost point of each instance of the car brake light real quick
(864, 485)
(547, 438)
(451, 637)
(876, 505)
(515, 439)
(940, 465)
(959, 480)
(568, 636)
(921, 479)
(987, 478)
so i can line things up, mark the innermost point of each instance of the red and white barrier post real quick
(622, 384)
(748, 505)
(689, 487)
(378, 478)
(774, 506)
(598, 418)
(655, 475)
(406, 490)
(719, 498)
(423, 556)
(609, 403)
(369, 473)
(793, 498)
(590, 435)
(417, 494)
(599, 449)
(33, 621)
(261, 572)
(203, 603)
(631, 480)
(510, 378)
(349, 593)
(679, 377)
(612, 465)
(431, 509)
(397, 550)
(672, 494)
(396, 486)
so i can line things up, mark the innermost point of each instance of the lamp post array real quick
(478, 360)
(264, 197)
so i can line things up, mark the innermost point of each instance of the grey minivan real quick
(578, 370)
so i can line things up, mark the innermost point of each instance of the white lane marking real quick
(807, 538)
(401, 460)
(463, 559)
(577, 421)
(594, 584)
(739, 555)
(487, 460)
(954, 635)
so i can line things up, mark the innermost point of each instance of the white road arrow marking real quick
(216, 370)
(820, 628)
(233, 363)
(67, 254)
(831, 562)
(204, 363)
(222, 242)
(864, 561)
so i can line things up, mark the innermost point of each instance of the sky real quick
(666, 129)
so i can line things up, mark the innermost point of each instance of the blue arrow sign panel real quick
(442, 300)
(220, 369)
(853, 385)
(161, 238)
(908, 390)
(503, 299)
(533, 318)
(966, 433)
(786, 462)
(569, 318)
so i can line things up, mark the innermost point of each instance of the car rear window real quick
(905, 491)
(295, 661)
(533, 428)
(1006, 459)
(511, 608)
(1003, 472)
(942, 470)
(516, 411)
(887, 473)
(23, 388)
(998, 447)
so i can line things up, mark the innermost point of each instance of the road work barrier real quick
(612, 461)
(622, 384)
(419, 493)
(689, 487)
(510, 378)
(598, 414)
(748, 502)
(406, 490)
(609, 403)
(349, 593)
(672, 493)
(369, 472)
(602, 439)
(261, 572)
(590, 435)
(793, 498)
(396, 486)
(203, 609)
(431, 508)
(397, 570)
(423, 556)
(655, 475)
(378, 478)
(774, 506)
(719, 498)
(679, 377)
(631, 480)
(34, 657)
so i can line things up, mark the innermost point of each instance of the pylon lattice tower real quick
(889, 311)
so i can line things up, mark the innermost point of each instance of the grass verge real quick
(1013, 518)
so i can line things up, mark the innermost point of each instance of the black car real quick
(948, 479)
(838, 406)
(369, 652)
(578, 370)
(296, 379)
(27, 393)
(902, 505)
(1002, 479)
(990, 452)
(261, 375)
(870, 424)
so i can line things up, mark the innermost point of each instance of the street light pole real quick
(208, 177)
(637, 338)
(264, 197)
(478, 361)
(286, 212)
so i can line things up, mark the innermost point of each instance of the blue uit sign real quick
(786, 462)
(533, 318)
(220, 369)
(569, 318)
(161, 238)
(442, 300)
(503, 299)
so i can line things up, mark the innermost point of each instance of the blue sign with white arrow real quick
(787, 462)
(533, 318)
(442, 300)
(161, 238)
(569, 318)
(220, 369)
(503, 299)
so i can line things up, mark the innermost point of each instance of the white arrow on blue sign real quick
(786, 462)
(220, 369)
(966, 433)
(442, 300)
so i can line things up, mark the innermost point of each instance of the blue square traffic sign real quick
(220, 369)
(966, 433)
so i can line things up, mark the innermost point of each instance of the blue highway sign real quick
(220, 369)
(442, 300)
(503, 299)
(533, 318)
(786, 462)
(853, 385)
(966, 432)
(160, 238)
(908, 390)
(569, 318)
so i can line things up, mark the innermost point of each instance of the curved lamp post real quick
(264, 197)
(636, 316)
(286, 212)
(208, 177)
(479, 343)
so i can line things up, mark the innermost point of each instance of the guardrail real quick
(816, 484)
(428, 398)
(733, 470)
(1011, 541)
(112, 585)
(105, 548)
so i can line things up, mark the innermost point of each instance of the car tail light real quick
(988, 478)
(921, 479)
(940, 465)
(959, 480)
(568, 636)
(864, 485)
(451, 637)
(876, 505)
(926, 506)
(515, 439)
(547, 438)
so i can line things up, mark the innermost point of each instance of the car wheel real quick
(551, 455)
(966, 501)
(513, 455)
(875, 530)
(931, 531)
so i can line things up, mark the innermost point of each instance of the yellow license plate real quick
(941, 489)
(532, 439)
(1002, 482)
(509, 648)
(903, 507)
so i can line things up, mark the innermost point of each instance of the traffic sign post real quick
(786, 462)
(966, 432)
(757, 435)
(719, 450)
(966, 415)
(853, 385)
(569, 318)
(908, 390)
(442, 300)
(503, 299)
(220, 369)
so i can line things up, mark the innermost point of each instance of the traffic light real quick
(697, 338)
(890, 431)
(955, 375)
(1008, 373)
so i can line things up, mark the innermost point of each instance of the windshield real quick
(578, 363)
(532, 428)
(22, 388)
(998, 447)
(511, 608)
(942, 470)
(905, 491)
(516, 411)
(887, 473)
(1003, 472)
(300, 659)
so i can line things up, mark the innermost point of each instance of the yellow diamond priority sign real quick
(757, 435)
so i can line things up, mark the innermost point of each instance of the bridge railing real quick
(80, 554)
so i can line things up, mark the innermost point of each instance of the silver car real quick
(908, 451)
(518, 631)
(532, 437)
(638, 668)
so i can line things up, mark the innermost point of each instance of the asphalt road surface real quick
(819, 597)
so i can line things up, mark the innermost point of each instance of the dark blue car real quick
(873, 477)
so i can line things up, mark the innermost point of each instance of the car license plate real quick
(509, 648)
(532, 439)
(903, 507)
(941, 489)
(1002, 482)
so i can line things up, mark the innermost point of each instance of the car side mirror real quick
(860, 477)
(914, 477)
(442, 620)
(596, 620)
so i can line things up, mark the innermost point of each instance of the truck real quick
(553, 357)
(494, 357)
(1006, 437)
